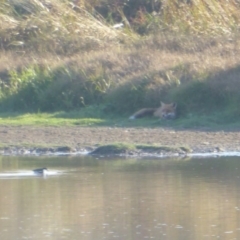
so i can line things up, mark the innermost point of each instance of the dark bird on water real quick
(40, 171)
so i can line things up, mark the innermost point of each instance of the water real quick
(95, 199)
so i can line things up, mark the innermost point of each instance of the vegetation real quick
(124, 148)
(61, 55)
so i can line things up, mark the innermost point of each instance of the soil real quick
(73, 139)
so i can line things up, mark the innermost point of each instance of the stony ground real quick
(80, 138)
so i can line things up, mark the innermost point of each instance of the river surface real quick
(128, 199)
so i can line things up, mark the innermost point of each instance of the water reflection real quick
(121, 199)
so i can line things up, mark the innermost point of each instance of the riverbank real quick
(50, 140)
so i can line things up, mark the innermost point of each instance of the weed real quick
(65, 56)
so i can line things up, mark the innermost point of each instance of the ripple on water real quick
(27, 174)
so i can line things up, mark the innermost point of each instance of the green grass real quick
(63, 119)
(123, 148)
(213, 121)
(46, 119)
(115, 148)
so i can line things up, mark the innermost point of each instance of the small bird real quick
(40, 171)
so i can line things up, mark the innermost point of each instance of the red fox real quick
(165, 111)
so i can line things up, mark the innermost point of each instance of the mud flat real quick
(74, 140)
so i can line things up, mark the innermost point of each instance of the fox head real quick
(166, 111)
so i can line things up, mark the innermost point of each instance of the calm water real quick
(97, 199)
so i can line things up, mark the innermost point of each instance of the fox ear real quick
(162, 103)
(174, 105)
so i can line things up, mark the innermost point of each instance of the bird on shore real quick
(40, 171)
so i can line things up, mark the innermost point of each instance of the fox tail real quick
(143, 113)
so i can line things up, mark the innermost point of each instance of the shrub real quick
(35, 88)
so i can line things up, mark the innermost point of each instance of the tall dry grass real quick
(67, 27)
(202, 16)
(62, 55)
(52, 26)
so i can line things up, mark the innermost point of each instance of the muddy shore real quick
(38, 140)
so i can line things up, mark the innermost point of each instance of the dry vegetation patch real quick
(67, 54)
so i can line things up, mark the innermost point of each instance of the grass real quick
(65, 59)
(116, 148)
(123, 148)
(63, 119)
(90, 118)
(45, 119)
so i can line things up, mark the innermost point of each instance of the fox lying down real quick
(165, 111)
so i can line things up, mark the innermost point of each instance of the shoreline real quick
(79, 140)
(54, 152)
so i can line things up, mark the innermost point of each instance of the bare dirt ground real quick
(74, 138)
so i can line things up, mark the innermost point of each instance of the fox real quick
(165, 111)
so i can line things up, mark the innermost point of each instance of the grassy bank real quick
(215, 121)
(67, 56)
